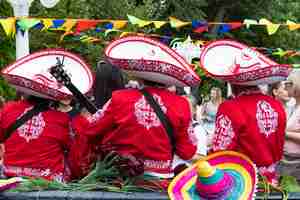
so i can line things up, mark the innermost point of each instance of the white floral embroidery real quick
(99, 114)
(157, 164)
(145, 114)
(192, 134)
(224, 133)
(33, 128)
(267, 118)
(271, 168)
(36, 172)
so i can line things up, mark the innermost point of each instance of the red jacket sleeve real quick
(226, 127)
(186, 142)
(6, 121)
(100, 122)
(83, 150)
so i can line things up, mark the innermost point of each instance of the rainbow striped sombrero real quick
(223, 175)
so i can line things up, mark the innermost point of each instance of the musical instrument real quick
(58, 72)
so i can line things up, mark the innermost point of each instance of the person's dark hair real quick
(195, 92)
(38, 100)
(152, 83)
(180, 91)
(273, 87)
(237, 89)
(108, 79)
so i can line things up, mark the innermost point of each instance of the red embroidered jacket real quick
(36, 148)
(252, 124)
(129, 124)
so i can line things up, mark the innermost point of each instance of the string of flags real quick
(78, 26)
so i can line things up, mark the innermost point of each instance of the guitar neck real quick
(83, 100)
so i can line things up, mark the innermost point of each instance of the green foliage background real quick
(278, 11)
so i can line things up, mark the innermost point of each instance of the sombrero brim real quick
(151, 60)
(237, 63)
(238, 166)
(6, 184)
(30, 74)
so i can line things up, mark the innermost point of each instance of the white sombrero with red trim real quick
(151, 60)
(239, 64)
(30, 74)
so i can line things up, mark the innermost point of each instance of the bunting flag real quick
(136, 21)
(118, 24)
(279, 52)
(235, 25)
(158, 24)
(57, 23)
(47, 23)
(271, 28)
(199, 26)
(292, 25)
(176, 23)
(27, 23)
(224, 28)
(124, 34)
(249, 22)
(108, 31)
(68, 25)
(83, 25)
(109, 26)
(9, 26)
(87, 39)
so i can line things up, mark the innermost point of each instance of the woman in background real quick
(208, 112)
(290, 165)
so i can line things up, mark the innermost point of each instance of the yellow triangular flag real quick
(271, 28)
(118, 24)
(176, 23)
(124, 34)
(249, 22)
(143, 23)
(69, 24)
(139, 22)
(158, 24)
(65, 34)
(199, 42)
(292, 25)
(9, 26)
(47, 23)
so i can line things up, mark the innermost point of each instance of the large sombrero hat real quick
(224, 175)
(30, 74)
(10, 183)
(151, 60)
(239, 64)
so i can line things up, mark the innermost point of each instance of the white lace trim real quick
(35, 172)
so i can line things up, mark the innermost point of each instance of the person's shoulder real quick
(230, 102)
(14, 104)
(122, 92)
(270, 100)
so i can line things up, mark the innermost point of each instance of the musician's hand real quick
(86, 113)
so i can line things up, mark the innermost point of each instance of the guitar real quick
(58, 72)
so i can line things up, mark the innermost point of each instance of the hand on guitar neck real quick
(58, 72)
